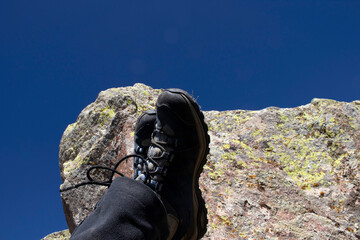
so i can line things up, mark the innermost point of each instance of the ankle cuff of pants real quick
(128, 210)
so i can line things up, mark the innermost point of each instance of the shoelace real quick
(102, 183)
(154, 171)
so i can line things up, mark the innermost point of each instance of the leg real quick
(171, 145)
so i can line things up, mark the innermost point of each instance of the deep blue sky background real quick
(56, 56)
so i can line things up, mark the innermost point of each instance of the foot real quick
(175, 159)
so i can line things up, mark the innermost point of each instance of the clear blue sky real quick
(56, 56)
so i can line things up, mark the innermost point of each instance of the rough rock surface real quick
(62, 235)
(276, 173)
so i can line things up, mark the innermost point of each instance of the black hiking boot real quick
(142, 139)
(175, 159)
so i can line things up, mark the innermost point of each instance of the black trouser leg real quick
(128, 210)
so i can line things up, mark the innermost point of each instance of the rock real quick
(289, 173)
(62, 235)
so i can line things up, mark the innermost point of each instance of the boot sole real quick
(200, 212)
